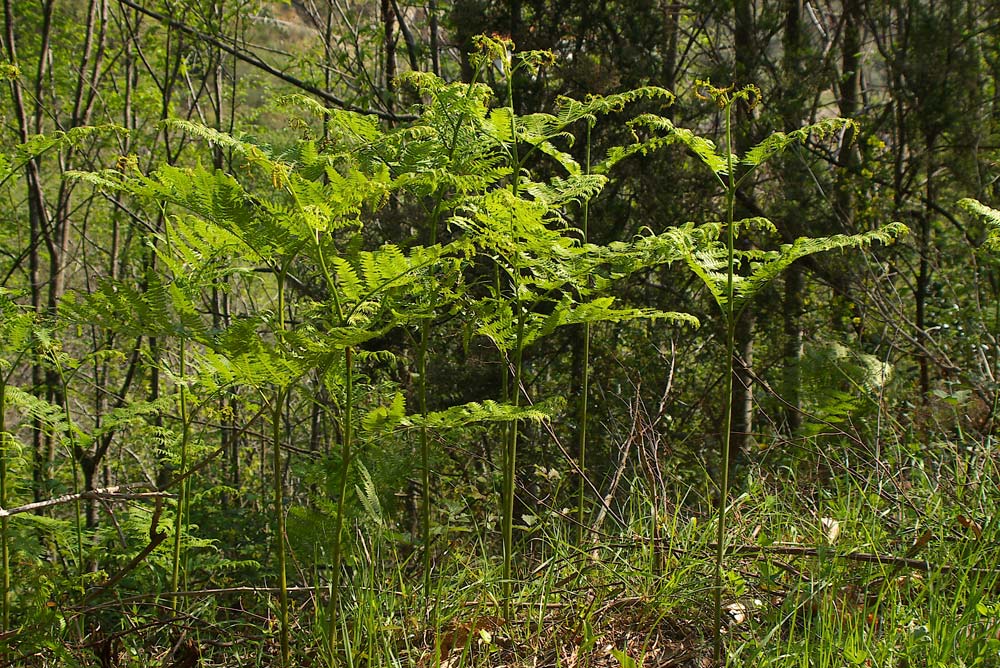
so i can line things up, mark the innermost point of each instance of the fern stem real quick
(183, 491)
(425, 332)
(279, 489)
(730, 318)
(77, 457)
(585, 376)
(279, 508)
(4, 547)
(510, 456)
(345, 461)
(425, 448)
(425, 462)
(345, 465)
(510, 468)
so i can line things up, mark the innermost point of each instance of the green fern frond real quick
(705, 149)
(498, 324)
(133, 311)
(569, 110)
(988, 215)
(606, 264)
(777, 142)
(300, 101)
(17, 324)
(476, 412)
(558, 193)
(132, 413)
(368, 496)
(106, 179)
(38, 145)
(567, 312)
(263, 368)
(707, 257)
(32, 407)
(385, 418)
(250, 151)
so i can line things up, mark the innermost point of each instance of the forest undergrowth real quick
(292, 490)
(894, 568)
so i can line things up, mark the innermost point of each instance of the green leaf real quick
(384, 418)
(475, 412)
(988, 215)
(624, 660)
(855, 655)
(777, 142)
(704, 148)
(369, 496)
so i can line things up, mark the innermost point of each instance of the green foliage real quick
(328, 284)
(988, 215)
(706, 255)
(840, 385)
(13, 163)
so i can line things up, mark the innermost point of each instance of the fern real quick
(570, 111)
(988, 215)
(566, 312)
(476, 412)
(51, 416)
(777, 142)
(38, 145)
(383, 418)
(17, 325)
(705, 149)
(368, 496)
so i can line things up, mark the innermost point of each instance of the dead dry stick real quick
(115, 493)
(863, 557)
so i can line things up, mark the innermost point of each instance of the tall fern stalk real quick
(4, 548)
(425, 453)
(175, 571)
(425, 333)
(425, 446)
(510, 455)
(730, 318)
(78, 511)
(345, 457)
(345, 465)
(279, 487)
(585, 374)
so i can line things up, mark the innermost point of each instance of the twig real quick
(922, 565)
(138, 598)
(863, 557)
(155, 538)
(107, 493)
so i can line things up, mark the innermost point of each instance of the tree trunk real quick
(743, 407)
(388, 34)
(793, 115)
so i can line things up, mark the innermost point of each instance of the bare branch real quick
(116, 493)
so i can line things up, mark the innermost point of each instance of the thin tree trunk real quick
(42, 443)
(847, 102)
(671, 28)
(742, 406)
(924, 273)
(435, 47)
(793, 115)
(388, 34)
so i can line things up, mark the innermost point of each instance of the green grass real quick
(796, 594)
